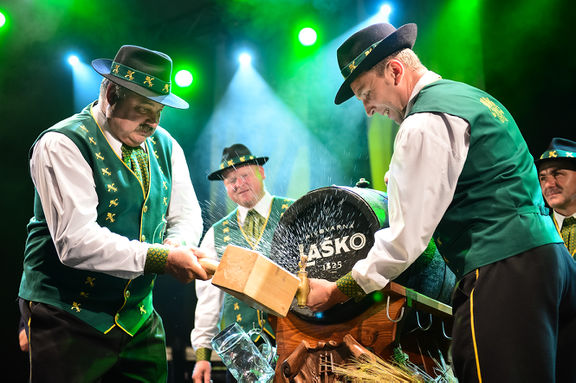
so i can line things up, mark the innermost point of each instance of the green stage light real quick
(307, 36)
(183, 78)
(378, 296)
(2, 19)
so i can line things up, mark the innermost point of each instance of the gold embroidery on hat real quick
(242, 158)
(166, 88)
(148, 81)
(230, 162)
(570, 154)
(129, 75)
(142, 310)
(553, 153)
(115, 70)
(236, 306)
(352, 66)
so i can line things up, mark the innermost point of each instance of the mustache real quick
(553, 190)
(146, 128)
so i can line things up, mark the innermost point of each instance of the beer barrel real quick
(334, 227)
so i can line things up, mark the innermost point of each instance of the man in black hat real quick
(114, 207)
(557, 174)
(515, 304)
(251, 225)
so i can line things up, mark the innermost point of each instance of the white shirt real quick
(560, 218)
(210, 297)
(64, 182)
(427, 161)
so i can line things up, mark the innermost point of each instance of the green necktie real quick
(253, 225)
(137, 160)
(569, 233)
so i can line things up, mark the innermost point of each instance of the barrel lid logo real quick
(333, 226)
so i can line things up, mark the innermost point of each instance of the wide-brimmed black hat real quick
(559, 149)
(233, 157)
(143, 71)
(368, 47)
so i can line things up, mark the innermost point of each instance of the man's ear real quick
(396, 69)
(111, 96)
(262, 173)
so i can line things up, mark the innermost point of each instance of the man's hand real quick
(202, 370)
(323, 295)
(182, 264)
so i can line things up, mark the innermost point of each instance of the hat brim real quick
(217, 175)
(540, 161)
(401, 38)
(103, 66)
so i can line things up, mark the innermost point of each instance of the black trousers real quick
(515, 320)
(65, 349)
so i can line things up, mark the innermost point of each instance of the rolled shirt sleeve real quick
(184, 218)
(64, 182)
(429, 156)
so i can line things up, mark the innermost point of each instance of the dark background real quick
(528, 63)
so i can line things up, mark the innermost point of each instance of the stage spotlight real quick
(73, 60)
(385, 11)
(245, 59)
(2, 19)
(183, 78)
(307, 36)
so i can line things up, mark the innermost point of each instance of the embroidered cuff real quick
(156, 259)
(203, 354)
(349, 287)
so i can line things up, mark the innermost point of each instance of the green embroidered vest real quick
(228, 231)
(497, 210)
(99, 299)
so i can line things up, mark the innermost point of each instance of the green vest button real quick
(127, 294)
(145, 209)
(143, 238)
